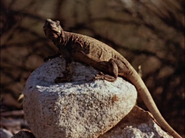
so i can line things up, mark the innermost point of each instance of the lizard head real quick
(52, 29)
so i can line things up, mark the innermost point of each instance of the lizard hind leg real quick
(112, 69)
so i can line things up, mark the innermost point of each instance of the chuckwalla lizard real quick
(84, 49)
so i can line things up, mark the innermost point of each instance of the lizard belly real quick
(93, 61)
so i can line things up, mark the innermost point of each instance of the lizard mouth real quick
(53, 25)
(52, 29)
(47, 25)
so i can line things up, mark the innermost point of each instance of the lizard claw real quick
(102, 76)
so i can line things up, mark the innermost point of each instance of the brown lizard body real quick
(84, 49)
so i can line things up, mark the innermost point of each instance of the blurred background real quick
(149, 33)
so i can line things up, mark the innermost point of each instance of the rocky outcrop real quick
(84, 107)
(81, 108)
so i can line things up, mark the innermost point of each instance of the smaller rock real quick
(137, 124)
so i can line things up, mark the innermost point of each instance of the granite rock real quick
(81, 108)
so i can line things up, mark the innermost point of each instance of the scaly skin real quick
(84, 49)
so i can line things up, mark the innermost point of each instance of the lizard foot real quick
(102, 76)
(61, 79)
(67, 75)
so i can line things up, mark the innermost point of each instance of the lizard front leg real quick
(67, 73)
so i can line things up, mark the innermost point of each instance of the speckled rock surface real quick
(81, 108)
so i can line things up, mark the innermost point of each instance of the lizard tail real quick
(149, 102)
